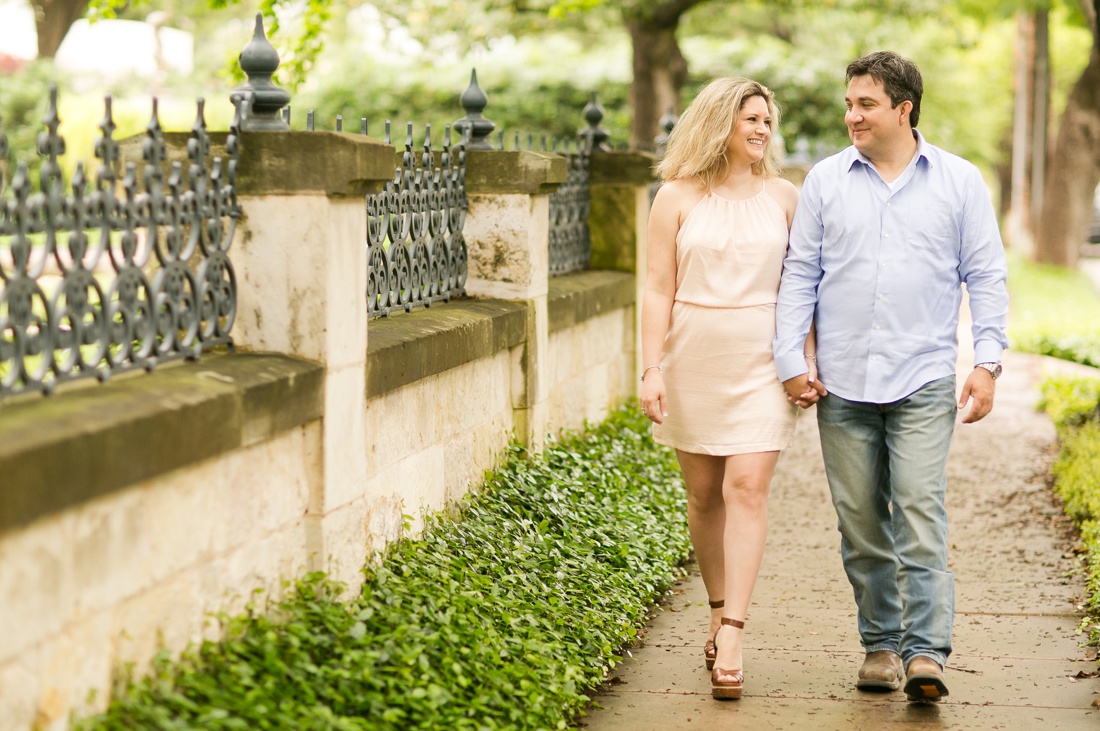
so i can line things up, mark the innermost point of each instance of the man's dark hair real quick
(899, 76)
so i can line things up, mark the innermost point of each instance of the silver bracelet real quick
(810, 357)
(647, 370)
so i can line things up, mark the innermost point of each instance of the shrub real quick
(1074, 405)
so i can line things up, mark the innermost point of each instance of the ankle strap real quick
(733, 622)
(717, 604)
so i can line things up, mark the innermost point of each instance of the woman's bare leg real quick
(745, 486)
(703, 477)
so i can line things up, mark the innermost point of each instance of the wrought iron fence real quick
(416, 252)
(570, 243)
(118, 273)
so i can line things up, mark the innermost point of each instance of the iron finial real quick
(259, 60)
(666, 123)
(597, 136)
(474, 101)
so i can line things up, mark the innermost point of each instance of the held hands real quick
(652, 397)
(978, 390)
(805, 390)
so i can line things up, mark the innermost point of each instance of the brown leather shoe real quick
(924, 680)
(881, 671)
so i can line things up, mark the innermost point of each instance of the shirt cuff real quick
(790, 366)
(988, 351)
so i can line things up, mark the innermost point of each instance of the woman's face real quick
(751, 132)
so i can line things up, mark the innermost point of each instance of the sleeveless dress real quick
(724, 396)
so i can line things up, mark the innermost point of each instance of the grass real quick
(1054, 311)
(500, 616)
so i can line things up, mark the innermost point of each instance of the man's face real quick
(874, 125)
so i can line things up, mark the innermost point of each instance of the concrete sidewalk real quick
(1016, 652)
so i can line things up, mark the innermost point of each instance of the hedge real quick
(1074, 406)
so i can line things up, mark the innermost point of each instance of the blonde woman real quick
(717, 238)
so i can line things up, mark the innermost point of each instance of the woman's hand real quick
(652, 397)
(806, 390)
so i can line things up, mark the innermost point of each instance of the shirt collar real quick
(924, 150)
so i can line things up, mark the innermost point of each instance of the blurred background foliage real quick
(411, 60)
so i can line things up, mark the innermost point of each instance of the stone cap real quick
(514, 171)
(289, 163)
(623, 168)
(60, 451)
(579, 296)
(408, 347)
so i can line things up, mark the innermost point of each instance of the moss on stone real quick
(623, 168)
(85, 442)
(408, 347)
(291, 163)
(611, 226)
(577, 297)
(514, 171)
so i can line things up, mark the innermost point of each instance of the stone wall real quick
(117, 548)
(132, 512)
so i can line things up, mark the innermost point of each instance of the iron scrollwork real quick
(570, 242)
(115, 275)
(416, 251)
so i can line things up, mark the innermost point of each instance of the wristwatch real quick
(993, 368)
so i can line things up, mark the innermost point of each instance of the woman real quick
(717, 237)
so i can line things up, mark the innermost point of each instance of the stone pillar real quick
(301, 264)
(619, 219)
(507, 235)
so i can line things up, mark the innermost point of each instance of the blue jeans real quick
(887, 471)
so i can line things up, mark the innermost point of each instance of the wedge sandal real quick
(727, 689)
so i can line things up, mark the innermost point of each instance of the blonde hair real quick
(698, 146)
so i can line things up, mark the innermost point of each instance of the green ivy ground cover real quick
(499, 616)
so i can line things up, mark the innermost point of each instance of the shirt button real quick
(886, 236)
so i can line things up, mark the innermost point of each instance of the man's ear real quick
(903, 111)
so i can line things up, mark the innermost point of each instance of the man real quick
(885, 234)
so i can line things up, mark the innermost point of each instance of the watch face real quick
(993, 368)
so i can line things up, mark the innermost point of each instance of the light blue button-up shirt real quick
(881, 270)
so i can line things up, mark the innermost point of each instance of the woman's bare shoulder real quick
(681, 193)
(781, 187)
(784, 192)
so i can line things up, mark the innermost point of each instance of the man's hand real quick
(803, 392)
(978, 390)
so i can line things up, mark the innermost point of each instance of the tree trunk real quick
(660, 69)
(1017, 225)
(52, 20)
(1040, 115)
(1073, 172)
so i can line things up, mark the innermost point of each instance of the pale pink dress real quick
(723, 393)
